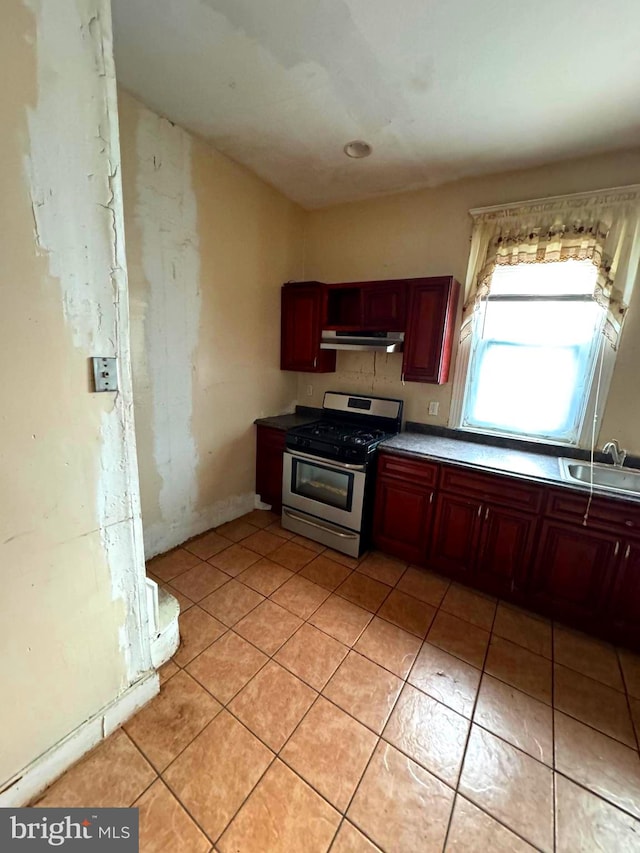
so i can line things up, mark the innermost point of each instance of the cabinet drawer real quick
(608, 514)
(485, 487)
(411, 470)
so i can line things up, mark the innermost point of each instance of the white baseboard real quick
(165, 643)
(44, 770)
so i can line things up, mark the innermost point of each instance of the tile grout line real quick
(177, 756)
(379, 737)
(405, 680)
(636, 732)
(364, 773)
(423, 640)
(357, 651)
(277, 754)
(468, 738)
(600, 797)
(242, 804)
(590, 677)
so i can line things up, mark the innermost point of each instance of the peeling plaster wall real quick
(427, 233)
(74, 633)
(208, 247)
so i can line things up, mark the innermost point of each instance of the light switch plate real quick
(434, 406)
(105, 374)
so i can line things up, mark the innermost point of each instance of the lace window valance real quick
(603, 227)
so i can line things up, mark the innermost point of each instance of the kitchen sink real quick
(610, 477)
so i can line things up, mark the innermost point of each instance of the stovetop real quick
(350, 428)
(336, 440)
(342, 433)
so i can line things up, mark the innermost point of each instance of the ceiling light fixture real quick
(357, 149)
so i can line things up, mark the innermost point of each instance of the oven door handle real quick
(305, 520)
(345, 465)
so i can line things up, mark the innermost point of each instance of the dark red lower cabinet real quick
(506, 537)
(506, 546)
(455, 536)
(572, 574)
(269, 451)
(402, 519)
(623, 612)
(483, 544)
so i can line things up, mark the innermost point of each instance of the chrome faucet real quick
(617, 455)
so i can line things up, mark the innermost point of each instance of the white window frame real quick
(593, 411)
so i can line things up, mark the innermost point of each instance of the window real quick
(535, 345)
(547, 290)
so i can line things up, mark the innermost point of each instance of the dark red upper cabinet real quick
(303, 313)
(424, 308)
(344, 306)
(431, 315)
(384, 306)
(373, 305)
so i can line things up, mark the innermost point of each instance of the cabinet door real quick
(572, 572)
(269, 451)
(455, 535)
(402, 519)
(384, 306)
(430, 324)
(506, 546)
(624, 608)
(302, 315)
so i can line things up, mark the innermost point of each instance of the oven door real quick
(330, 490)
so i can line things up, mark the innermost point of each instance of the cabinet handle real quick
(402, 378)
(315, 361)
(431, 498)
(627, 552)
(479, 510)
(616, 549)
(486, 513)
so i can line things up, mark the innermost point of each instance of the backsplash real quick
(379, 374)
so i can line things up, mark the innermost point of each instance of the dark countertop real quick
(536, 467)
(285, 422)
(523, 464)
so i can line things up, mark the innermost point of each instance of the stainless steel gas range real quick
(329, 470)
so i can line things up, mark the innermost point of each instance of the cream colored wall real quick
(208, 247)
(71, 622)
(427, 233)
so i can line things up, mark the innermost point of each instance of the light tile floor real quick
(322, 703)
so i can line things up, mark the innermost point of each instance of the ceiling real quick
(441, 90)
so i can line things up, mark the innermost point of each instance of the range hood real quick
(362, 341)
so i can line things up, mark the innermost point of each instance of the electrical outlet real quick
(309, 390)
(434, 407)
(105, 374)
